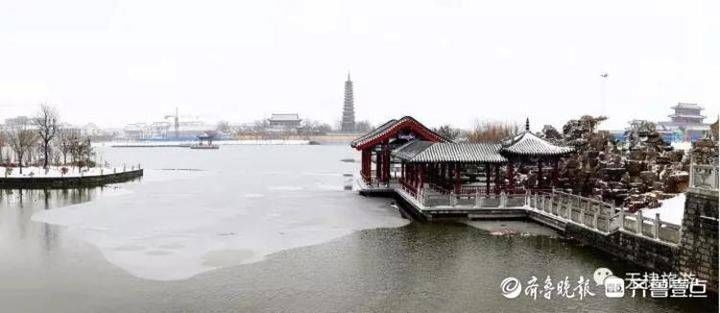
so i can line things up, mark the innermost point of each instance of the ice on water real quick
(180, 226)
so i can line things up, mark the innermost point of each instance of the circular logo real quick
(510, 287)
(600, 275)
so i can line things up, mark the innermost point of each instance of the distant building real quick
(17, 121)
(70, 130)
(136, 131)
(284, 122)
(91, 130)
(686, 123)
(172, 127)
(348, 116)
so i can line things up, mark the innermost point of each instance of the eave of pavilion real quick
(529, 145)
(419, 151)
(393, 128)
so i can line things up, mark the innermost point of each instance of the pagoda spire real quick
(527, 124)
(348, 116)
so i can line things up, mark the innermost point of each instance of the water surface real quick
(270, 229)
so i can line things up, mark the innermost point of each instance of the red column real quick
(365, 164)
(378, 165)
(511, 177)
(457, 178)
(497, 178)
(386, 164)
(555, 173)
(487, 178)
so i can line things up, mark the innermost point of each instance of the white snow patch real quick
(683, 145)
(671, 210)
(56, 171)
(176, 234)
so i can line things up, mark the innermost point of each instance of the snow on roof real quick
(688, 116)
(426, 151)
(392, 126)
(683, 105)
(285, 117)
(528, 143)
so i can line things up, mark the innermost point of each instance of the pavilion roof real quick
(425, 151)
(284, 117)
(529, 144)
(683, 105)
(391, 128)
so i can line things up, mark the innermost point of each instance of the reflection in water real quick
(18, 205)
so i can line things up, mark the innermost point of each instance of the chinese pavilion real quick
(376, 146)
(408, 154)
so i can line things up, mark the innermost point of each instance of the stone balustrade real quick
(704, 176)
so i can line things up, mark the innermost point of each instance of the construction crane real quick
(176, 117)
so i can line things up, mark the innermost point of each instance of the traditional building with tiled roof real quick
(414, 155)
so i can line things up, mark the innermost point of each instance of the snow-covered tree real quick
(21, 139)
(46, 122)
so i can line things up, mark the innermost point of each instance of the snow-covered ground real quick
(671, 210)
(684, 145)
(55, 171)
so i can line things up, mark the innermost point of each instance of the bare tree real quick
(46, 121)
(448, 132)
(489, 131)
(64, 142)
(82, 152)
(21, 139)
(225, 127)
(363, 126)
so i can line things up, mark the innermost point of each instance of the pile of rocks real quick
(636, 173)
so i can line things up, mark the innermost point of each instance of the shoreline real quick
(71, 181)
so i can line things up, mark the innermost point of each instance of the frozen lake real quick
(268, 228)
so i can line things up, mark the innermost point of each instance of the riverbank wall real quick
(69, 181)
(698, 252)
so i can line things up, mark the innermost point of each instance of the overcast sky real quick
(442, 61)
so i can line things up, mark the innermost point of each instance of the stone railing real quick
(430, 199)
(650, 227)
(603, 217)
(590, 213)
(704, 176)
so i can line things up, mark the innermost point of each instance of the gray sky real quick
(443, 61)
